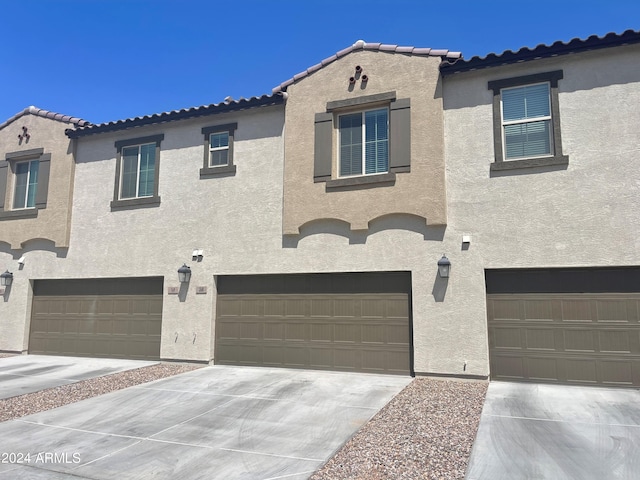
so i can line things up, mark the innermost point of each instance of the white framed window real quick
(26, 184)
(527, 131)
(363, 142)
(138, 171)
(218, 149)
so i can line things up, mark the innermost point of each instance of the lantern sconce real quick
(444, 267)
(6, 278)
(184, 274)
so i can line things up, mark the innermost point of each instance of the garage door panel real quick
(122, 326)
(273, 307)
(617, 372)
(506, 310)
(615, 341)
(332, 331)
(321, 332)
(542, 368)
(397, 308)
(594, 339)
(251, 330)
(321, 307)
(540, 339)
(577, 310)
(506, 338)
(538, 310)
(375, 334)
(614, 311)
(579, 340)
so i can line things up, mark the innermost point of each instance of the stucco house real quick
(312, 221)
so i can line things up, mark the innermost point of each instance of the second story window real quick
(218, 150)
(526, 120)
(526, 127)
(138, 171)
(364, 142)
(26, 184)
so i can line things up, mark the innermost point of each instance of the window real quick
(364, 142)
(137, 172)
(527, 122)
(218, 150)
(24, 183)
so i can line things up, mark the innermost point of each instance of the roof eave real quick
(526, 54)
(227, 106)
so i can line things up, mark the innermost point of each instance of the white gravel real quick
(426, 432)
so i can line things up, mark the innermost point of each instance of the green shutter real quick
(42, 191)
(323, 147)
(400, 136)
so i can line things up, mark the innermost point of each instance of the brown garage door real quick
(572, 337)
(117, 318)
(347, 322)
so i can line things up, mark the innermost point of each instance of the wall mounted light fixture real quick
(6, 278)
(184, 274)
(444, 267)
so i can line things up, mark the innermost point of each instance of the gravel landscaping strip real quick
(426, 432)
(22, 405)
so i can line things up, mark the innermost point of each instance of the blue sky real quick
(105, 60)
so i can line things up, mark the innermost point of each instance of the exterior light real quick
(6, 278)
(444, 267)
(184, 274)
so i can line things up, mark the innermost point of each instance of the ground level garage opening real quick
(569, 326)
(357, 322)
(107, 317)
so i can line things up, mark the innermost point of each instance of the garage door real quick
(117, 318)
(347, 322)
(570, 326)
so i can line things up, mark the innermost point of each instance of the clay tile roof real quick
(541, 51)
(45, 114)
(226, 106)
(362, 45)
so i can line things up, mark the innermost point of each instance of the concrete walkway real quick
(535, 431)
(217, 422)
(30, 373)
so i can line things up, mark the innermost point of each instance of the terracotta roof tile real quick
(362, 45)
(45, 114)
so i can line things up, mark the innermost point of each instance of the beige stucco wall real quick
(53, 222)
(420, 192)
(581, 216)
(585, 215)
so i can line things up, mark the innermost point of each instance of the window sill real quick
(131, 203)
(17, 214)
(529, 163)
(384, 178)
(210, 172)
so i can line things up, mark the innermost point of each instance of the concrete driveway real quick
(217, 422)
(30, 373)
(535, 431)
